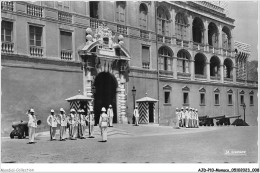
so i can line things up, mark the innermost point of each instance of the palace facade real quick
(182, 54)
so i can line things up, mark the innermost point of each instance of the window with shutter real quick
(145, 54)
(120, 11)
(66, 40)
(143, 16)
(169, 68)
(35, 35)
(162, 63)
(6, 31)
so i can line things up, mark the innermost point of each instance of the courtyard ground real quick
(142, 144)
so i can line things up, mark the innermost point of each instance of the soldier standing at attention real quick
(103, 123)
(186, 117)
(52, 122)
(71, 122)
(82, 124)
(177, 118)
(63, 124)
(90, 118)
(136, 115)
(32, 125)
(197, 119)
(110, 114)
(182, 116)
(194, 118)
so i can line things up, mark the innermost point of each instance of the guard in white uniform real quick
(72, 126)
(52, 121)
(194, 118)
(32, 125)
(63, 124)
(82, 124)
(90, 118)
(103, 123)
(136, 115)
(197, 118)
(110, 114)
(186, 117)
(182, 115)
(177, 118)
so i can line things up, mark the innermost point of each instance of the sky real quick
(245, 14)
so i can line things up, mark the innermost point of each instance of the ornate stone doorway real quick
(105, 71)
(106, 87)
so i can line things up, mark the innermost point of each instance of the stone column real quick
(208, 71)
(206, 33)
(234, 74)
(175, 67)
(173, 22)
(192, 72)
(190, 20)
(221, 73)
(220, 38)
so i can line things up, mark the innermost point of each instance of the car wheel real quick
(12, 135)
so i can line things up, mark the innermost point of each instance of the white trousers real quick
(110, 121)
(104, 133)
(91, 130)
(62, 132)
(136, 120)
(53, 132)
(31, 133)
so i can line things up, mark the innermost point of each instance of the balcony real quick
(7, 47)
(213, 50)
(146, 65)
(227, 52)
(33, 10)
(200, 76)
(64, 17)
(66, 54)
(122, 29)
(94, 23)
(178, 42)
(168, 40)
(144, 34)
(7, 5)
(166, 73)
(36, 51)
(215, 78)
(182, 75)
(197, 46)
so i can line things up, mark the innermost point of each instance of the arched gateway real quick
(105, 71)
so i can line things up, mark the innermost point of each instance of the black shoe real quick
(91, 137)
(105, 141)
(29, 143)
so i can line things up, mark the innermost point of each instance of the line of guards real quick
(76, 123)
(188, 118)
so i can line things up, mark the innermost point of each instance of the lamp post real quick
(244, 107)
(134, 93)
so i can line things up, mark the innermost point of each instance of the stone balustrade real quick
(144, 34)
(66, 54)
(64, 17)
(146, 65)
(94, 23)
(36, 51)
(7, 5)
(34, 10)
(122, 29)
(7, 47)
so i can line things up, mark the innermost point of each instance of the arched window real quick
(200, 64)
(214, 66)
(181, 26)
(197, 30)
(226, 38)
(228, 68)
(143, 16)
(163, 21)
(120, 11)
(165, 57)
(183, 61)
(213, 35)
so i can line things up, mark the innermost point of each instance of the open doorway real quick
(106, 85)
